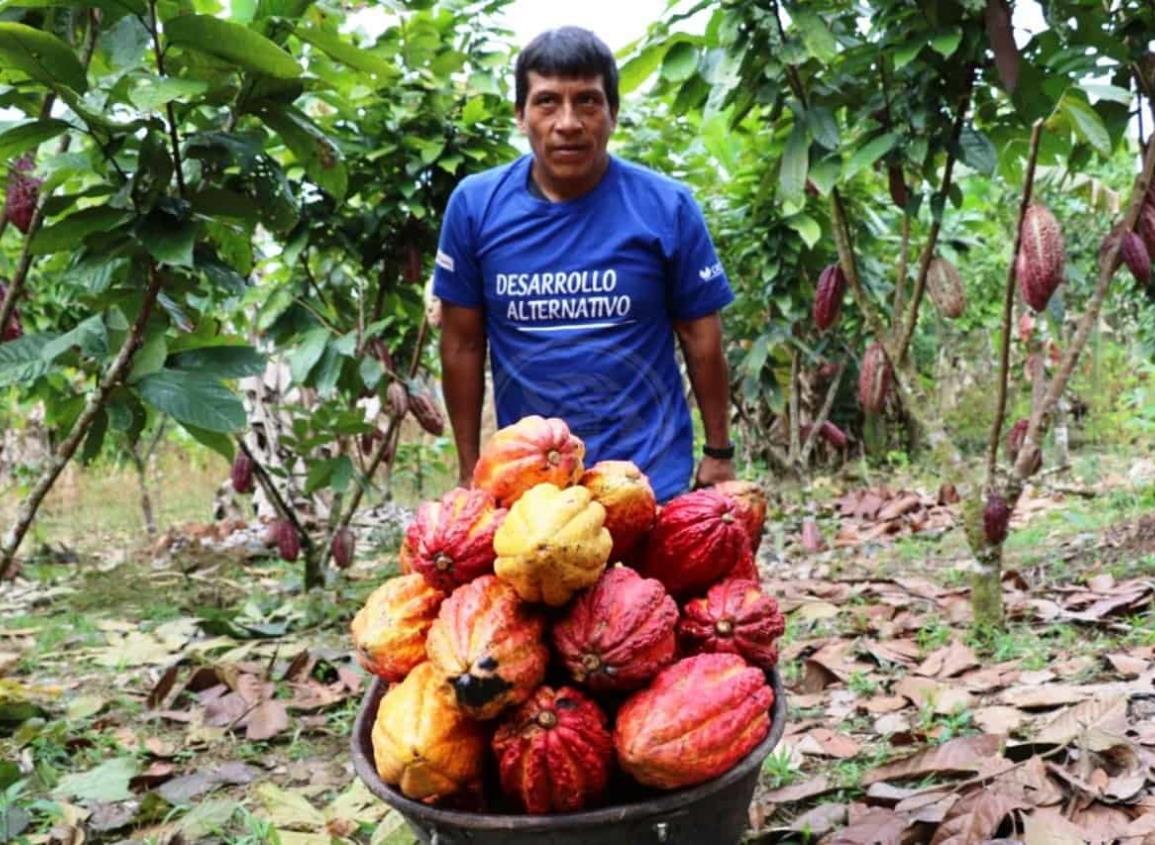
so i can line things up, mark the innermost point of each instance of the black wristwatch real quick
(723, 453)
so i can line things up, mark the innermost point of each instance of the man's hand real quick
(712, 471)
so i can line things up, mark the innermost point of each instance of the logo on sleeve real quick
(712, 272)
(444, 261)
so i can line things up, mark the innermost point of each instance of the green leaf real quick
(168, 238)
(816, 35)
(869, 153)
(825, 174)
(823, 127)
(795, 163)
(945, 43)
(680, 62)
(1108, 92)
(1086, 123)
(149, 358)
(155, 94)
(904, 54)
(977, 151)
(640, 68)
(42, 56)
(90, 335)
(233, 43)
(106, 783)
(806, 227)
(18, 139)
(321, 157)
(69, 232)
(307, 354)
(193, 398)
(221, 361)
(22, 360)
(222, 444)
(341, 51)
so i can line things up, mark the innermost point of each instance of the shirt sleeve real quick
(699, 285)
(456, 272)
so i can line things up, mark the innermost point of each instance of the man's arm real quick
(463, 380)
(701, 341)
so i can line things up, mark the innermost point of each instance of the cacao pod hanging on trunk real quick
(22, 194)
(945, 286)
(828, 296)
(996, 519)
(1146, 225)
(897, 185)
(242, 474)
(343, 548)
(397, 400)
(288, 542)
(1132, 252)
(426, 411)
(874, 379)
(1039, 266)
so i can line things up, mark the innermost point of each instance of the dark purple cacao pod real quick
(874, 379)
(1145, 226)
(242, 473)
(1039, 266)
(828, 296)
(288, 543)
(1136, 257)
(897, 185)
(22, 194)
(834, 435)
(996, 519)
(412, 264)
(1016, 437)
(343, 547)
(424, 408)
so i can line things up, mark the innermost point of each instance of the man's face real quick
(568, 122)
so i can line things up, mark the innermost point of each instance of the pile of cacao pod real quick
(557, 641)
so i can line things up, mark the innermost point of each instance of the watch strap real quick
(722, 453)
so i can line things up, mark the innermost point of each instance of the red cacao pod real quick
(751, 502)
(1145, 226)
(288, 541)
(833, 435)
(1039, 266)
(22, 194)
(996, 519)
(811, 537)
(625, 492)
(874, 379)
(344, 547)
(945, 286)
(426, 411)
(897, 185)
(534, 450)
(242, 473)
(1016, 436)
(1136, 257)
(397, 400)
(695, 721)
(746, 569)
(488, 644)
(828, 296)
(554, 752)
(389, 631)
(619, 633)
(697, 539)
(450, 541)
(735, 616)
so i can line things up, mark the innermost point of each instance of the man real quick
(578, 269)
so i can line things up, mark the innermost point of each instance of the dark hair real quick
(569, 51)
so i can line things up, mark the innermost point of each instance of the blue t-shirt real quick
(579, 299)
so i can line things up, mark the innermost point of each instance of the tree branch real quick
(1009, 306)
(795, 386)
(174, 137)
(823, 414)
(903, 261)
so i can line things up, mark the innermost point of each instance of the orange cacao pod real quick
(945, 286)
(389, 631)
(695, 721)
(874, 379)
(426, 411)
(735, 617)
(828, 296)
(625, 492)
(422, 743)
(532, 451)
(489, 645)
(554, 752)
(619, 633)
(1039, 266)
(751, 502)
(697, 539)
(451, 540)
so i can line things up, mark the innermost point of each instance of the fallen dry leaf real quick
(1050, 827)
(1029, 784)
(1127, 666)
(1093, 720)
(975, 818)
(948, 661)
(823, 742)
(266, 720)
(885, 704)
(1042, 698)
(876, 827)
(957, 756)
(798, 791)
(821, 820)
(998, 720)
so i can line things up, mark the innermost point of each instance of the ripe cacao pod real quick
(423, 405)
(996, 519)
(554, 752)
(811, 537)
(1039, 265)
(619, 633)
(697, 539)
(897, 184)
(734, 617)
(396, 400)
(422, 743)
(751, 502)
(451, 540)
(532, 451)
(389, 631)
(1145, 226)
(746, 569)
(833, 435)
(489, 645)
(874, 379)
(22, 194)
(344, 545)
(625, 492)
(242, 473)
(552, 544)
(1016, 436)
(697, 719)
(288, 541)
(828, 296)
(945, 286)
(1135, 256)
